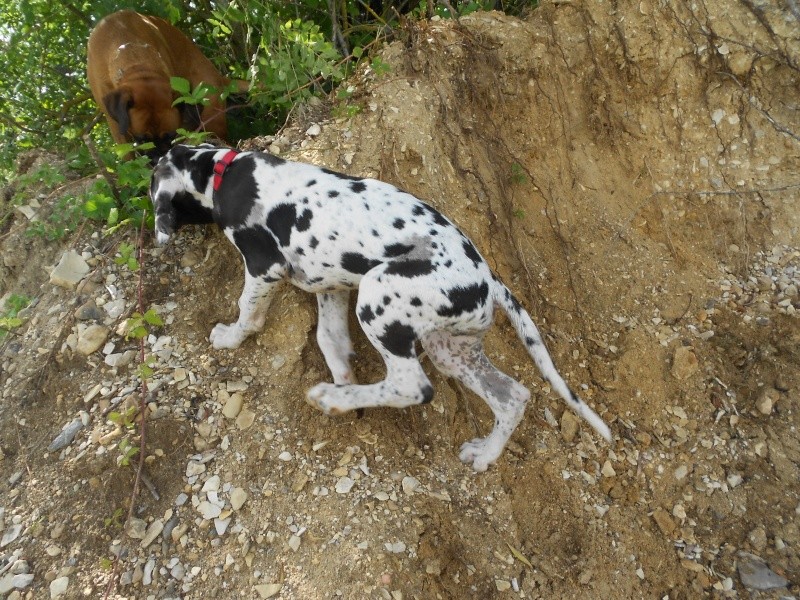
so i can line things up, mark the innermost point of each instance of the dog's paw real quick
(226, 336)
(319, 397)
(477, 453)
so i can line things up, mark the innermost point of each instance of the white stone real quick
(221, 525)
(410, 485)
(267, 590)
(58, 587)
(91, 338)
(155, 529)
(344, 485)
(314, 130)
(233, 406)
(238, 498)
(69, 271)
(211, 484)
(209, 510)
(294, 543)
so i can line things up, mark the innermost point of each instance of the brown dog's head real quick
(145, 113)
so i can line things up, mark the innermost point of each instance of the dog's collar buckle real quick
(221, 165)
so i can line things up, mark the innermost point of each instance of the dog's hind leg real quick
(253, 304)
(463, 357)
(394, 337)
(333, 335)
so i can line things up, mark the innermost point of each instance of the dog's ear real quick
(117, 104)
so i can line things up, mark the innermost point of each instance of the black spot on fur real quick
(280, 221)
(311, 183)
(399, 223)
(416, 301)
(472, 253)
(358, 187)
(395, 250)
(237, 194)
(375, 233)
(258, 248)
(379, 310)
(333, 194)
(186, 209)
(366, 315)
(418, 210)
(410, 268)
(304, 221)
(357, 263)
(386, 300)
(299, 250)
(465, 299)
(427, 394)
(514, 302)
(341, 175)
(313, 242)
(398, 338)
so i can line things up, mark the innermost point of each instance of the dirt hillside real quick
(630, 171)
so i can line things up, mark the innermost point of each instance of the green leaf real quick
(180, 85)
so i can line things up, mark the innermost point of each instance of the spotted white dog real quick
(418, 279)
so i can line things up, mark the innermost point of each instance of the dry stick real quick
(142, 407)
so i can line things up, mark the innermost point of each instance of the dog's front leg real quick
(253, 304)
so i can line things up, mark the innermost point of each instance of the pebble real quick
(245, 419)
(608, 469)
(11, 534)
(69, 271)
(569, 426)
(756, 575)
(344, 485)
(208, 510)
(58, 587)
(194, 468)
(285, 456)
(395, 548)
(410, 485)
(664, 521)
(766, 401)
(238, 498)
(314, 130)
(268, 590)
(153, 531)
(91, 338)
(684, 363)
(15, 582)
(136, 528)
(502, 585)
(68, 433)
(681, 472)
(294, 543)
(233, 406)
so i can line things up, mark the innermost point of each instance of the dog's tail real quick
(529, 334)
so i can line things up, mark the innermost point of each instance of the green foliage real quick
(518, 175)
(124, 419)
(138, 322)
(127, 256)
(115, 520)
(8, 316)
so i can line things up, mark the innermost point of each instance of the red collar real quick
(221, 165)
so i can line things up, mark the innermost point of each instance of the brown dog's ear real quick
(117, 104)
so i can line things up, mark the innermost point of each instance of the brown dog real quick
(131, 58)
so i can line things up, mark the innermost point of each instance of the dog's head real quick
(177, 189)
(145, 113)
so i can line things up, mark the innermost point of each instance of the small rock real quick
(136, 528)
(88, 311)
(756, 575)
(190, 258)
(681, 472)
(664, 521)
(91, 338)
(208, 510)
(267, 590)
(608, 469)
(285, 456)
(758, 538)
(69, 271)
(294, 543)
(233, 406)
(766, 401)
(314, 130)
(221, 526)
(152, 532)
(245, 419)
(58, 587)
(410, 485)
(66, 436)
(569, 426)
(11, 534)
(238, 498)
(684, 363)
(502, 585)
(195, 468)
(15, 582)
(344, 485)
(734, 480)
(395, 548)
(211, 485)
